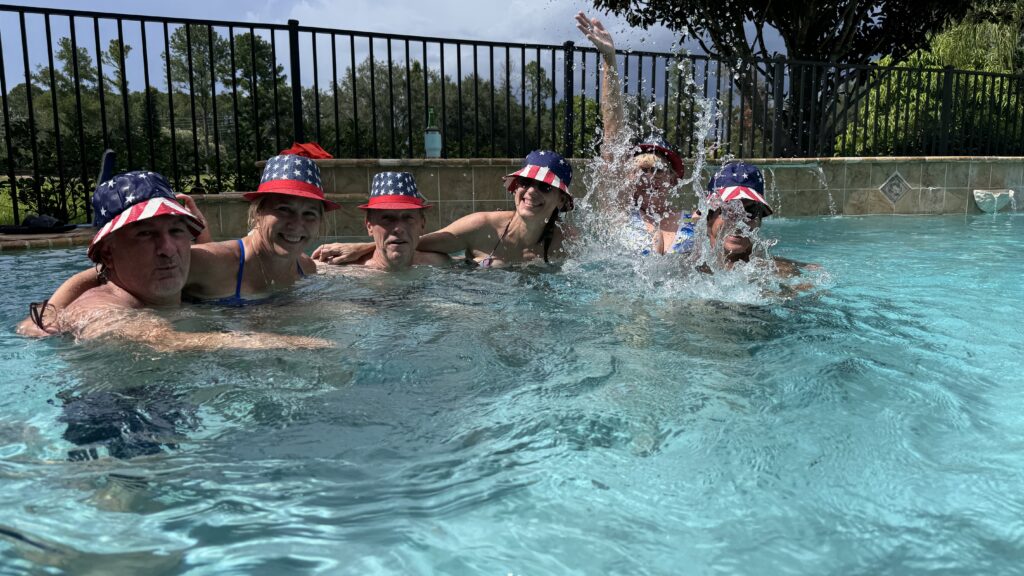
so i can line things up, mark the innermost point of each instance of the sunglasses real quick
(542, 187)
(753, 209)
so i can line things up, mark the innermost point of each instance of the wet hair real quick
(547, 236)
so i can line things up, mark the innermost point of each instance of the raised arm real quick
(612, 104)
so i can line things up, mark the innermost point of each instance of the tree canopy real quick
(847, 31)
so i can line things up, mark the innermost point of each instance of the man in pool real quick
(142, 252)
(395, 220)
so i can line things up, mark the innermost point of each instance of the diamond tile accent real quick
(895, 187)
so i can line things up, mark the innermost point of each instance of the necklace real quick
(266, 282)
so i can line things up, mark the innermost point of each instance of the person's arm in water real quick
(68, 292)
(98, 315)
(460, 236)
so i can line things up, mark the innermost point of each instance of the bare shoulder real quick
(98, 311)
(213, 264)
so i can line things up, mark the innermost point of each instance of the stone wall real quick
(796, 187)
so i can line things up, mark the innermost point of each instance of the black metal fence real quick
(201, 101)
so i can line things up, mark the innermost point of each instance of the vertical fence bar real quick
(316, 86)
(234, 104)
(490, 55)
(355, 97)
(56, 122)
(426, 95)
(778, 72)
(170, 108)
(295, 74)
(508, 101)
(28, 97)
(81, 121)
(408, 99)
(256, 98)
(334, 86)
(945, 118)
(476, 102)
(192, 100)
(391, 100)
(679, 101)
(728, 116)
(213, 106)
(718, 95)
(444, 109)
(536, 88)
(554, 110)
(124, 93)
(568, 70)
(11, 177)
(273, 71)
(149, 100)
(99, 79)
(522, 99)
(458, 95)
(373, 100)
(583, 99)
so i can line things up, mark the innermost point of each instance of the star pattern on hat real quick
(292, 167)
(394, 184)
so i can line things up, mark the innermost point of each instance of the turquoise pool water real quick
(587, 420)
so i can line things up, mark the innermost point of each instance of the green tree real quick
(842, 31)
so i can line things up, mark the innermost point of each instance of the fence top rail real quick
(137, 17)
(672, 56)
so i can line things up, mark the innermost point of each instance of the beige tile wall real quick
(795, 187)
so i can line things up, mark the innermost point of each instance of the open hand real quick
(597, 34)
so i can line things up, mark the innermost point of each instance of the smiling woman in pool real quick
(540, 191)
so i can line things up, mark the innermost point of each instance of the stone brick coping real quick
(16, 242)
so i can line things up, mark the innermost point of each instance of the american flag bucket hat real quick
(131, 197)
(739, 181)
(544, 166)
(394, 191)
(292, 175)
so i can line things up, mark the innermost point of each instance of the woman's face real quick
(288, 224)
(536, 199)
(653, 179)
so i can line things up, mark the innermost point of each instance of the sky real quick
(528, 21)
(548, 22)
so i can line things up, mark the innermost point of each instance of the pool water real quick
(581, 419)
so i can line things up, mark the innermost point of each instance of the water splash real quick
(615, 229)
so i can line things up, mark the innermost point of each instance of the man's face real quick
(150, 258)
(732, 225)
(396, 233)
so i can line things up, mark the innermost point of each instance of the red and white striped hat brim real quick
(730, 193)
(535, 172)
(149, 209)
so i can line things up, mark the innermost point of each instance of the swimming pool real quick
(566, 421)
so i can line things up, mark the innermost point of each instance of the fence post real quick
(296, 76)
(778, 76)
(946, 114)
(567, 75)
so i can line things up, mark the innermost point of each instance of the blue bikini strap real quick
(241, 268)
